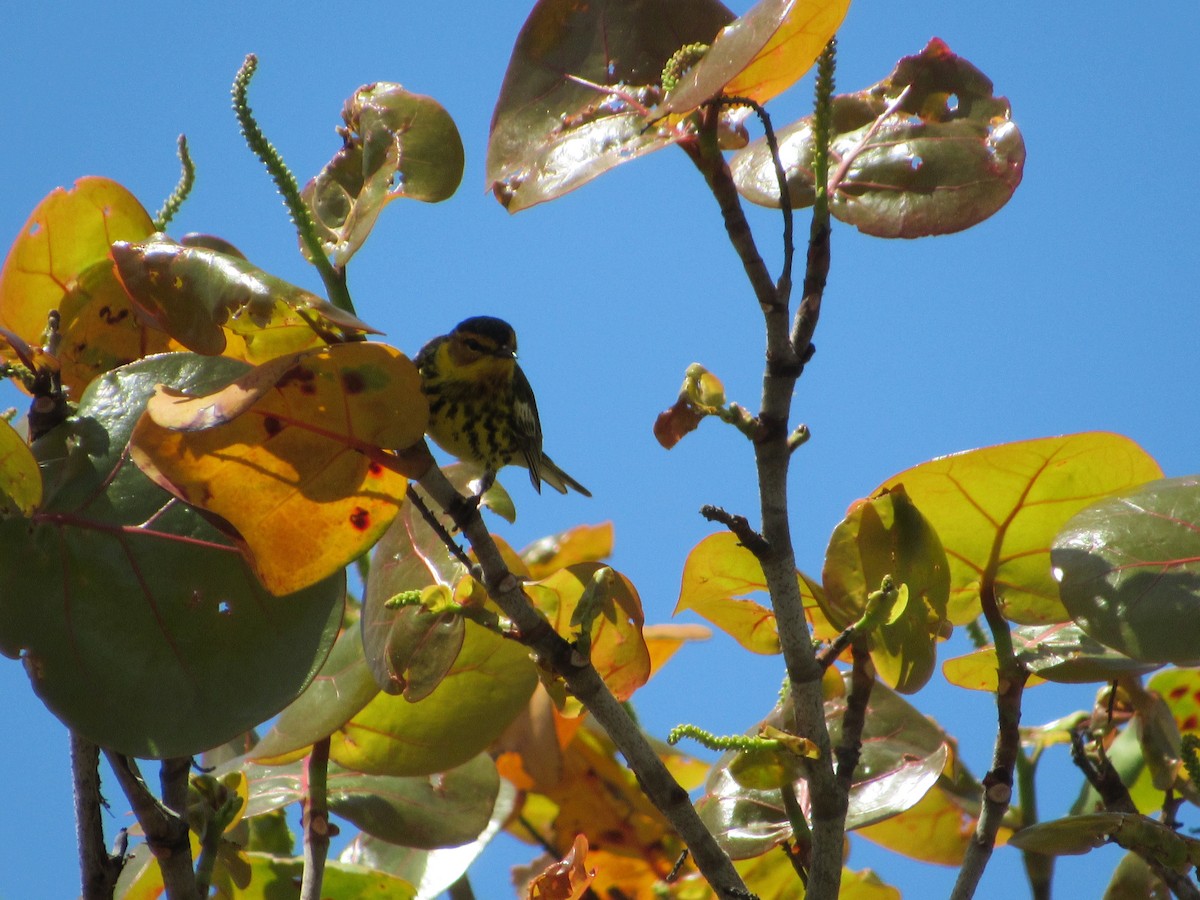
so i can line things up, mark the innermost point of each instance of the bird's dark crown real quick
(488, 330)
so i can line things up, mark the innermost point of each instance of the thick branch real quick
(98, 869)
(166, 832)
(584, 682)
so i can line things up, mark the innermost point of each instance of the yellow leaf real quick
(292, 457)
(584, 543)
(20, 478)
(998, 509)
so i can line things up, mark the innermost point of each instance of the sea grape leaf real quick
(196, 295)
(997, 510)
(1150, 839)
(426, 812)
(1180, 689)
(67, 232)
(773, 877)
(947, 158)
(612, 609)
(903, 755)
(138, 622)
(887, 535)
(1130, 570)
(487, 687)
(341, 688)
(549, 133)
(20, 479)
(291, 454)
(341, 880)
(761, 54)
(1061, 653)
(395, 144)
(583, 543)
(717, 575)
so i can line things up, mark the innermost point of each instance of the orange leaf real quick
(286, 455)
(584, 543)
(567, 879)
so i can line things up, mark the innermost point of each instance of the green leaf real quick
(1148, 838)
(946, 159)
(195, 295)
(887, 535)
(550, 134)
(1130, 570)
(396, 144)
(442, 810)
(342, 687)
(275, 878)
(488, 686)
(903, 755)
(139, 623)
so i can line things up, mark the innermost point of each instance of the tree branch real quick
(585, 684)
(98, 869)
(166, 832)
(317, 827)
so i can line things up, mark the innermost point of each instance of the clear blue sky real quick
(1072, 309)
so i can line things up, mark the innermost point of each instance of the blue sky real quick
(1074, 308)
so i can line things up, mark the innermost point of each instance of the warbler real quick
(481, 406)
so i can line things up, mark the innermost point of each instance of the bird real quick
(481, 405)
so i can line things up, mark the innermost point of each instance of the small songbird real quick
(481, 407)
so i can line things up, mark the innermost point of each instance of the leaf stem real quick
(333, 277)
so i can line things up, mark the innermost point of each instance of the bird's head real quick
(484, 342)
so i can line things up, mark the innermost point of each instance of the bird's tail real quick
(550, 473)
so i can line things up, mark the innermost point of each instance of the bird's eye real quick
(473, 344)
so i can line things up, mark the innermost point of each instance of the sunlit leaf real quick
(159, 641)
(887, 535)
(69, 231)
(341, 688)
(947, 158)
(903, 755)
(550, 134)
(1061, 653)
(441, 810)
(195, 295)
(342, 881)
(282, 454)
(613, 610)
(583, 543)
(761, 54)
(997, 510)
(1180, 689)
(20, 480)
(489, 684)
(565, 879)
(396, 144)
(1130, 570)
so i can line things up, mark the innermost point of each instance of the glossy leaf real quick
(196, 295)
(581, 544)
(158, 640)
(489, 684)
(761, 54)
(396, 144)
(282, 455)
(341, 688)
(20, 480)
(947, 158)
(1083, 833)
(606, 599)
(1130, 570)
(67, 233)
(997, 510)
(549, 133)
(1060, 653)
(442, 810)
(887, 535)
(903, 754)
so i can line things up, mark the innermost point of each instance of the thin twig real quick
(98, 868)
(854, 719)
(848, 160)
(317, 827)
(166, 832)
(439, 529)
(740, 527)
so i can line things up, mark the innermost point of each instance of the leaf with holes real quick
(139, 624)
(293, 454)
(396, 144)
(1130, 570)
(997, 510)
(197, 295)
(941, 160)
(550, 133)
